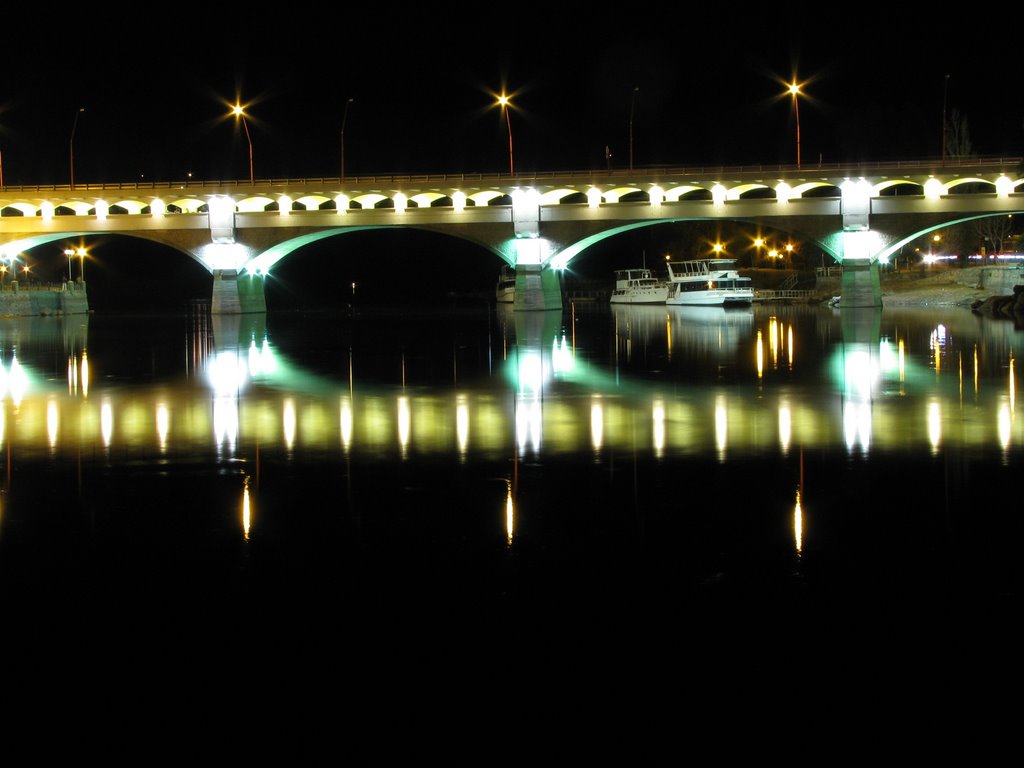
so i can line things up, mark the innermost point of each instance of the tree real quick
(958, 140)
(994, 231)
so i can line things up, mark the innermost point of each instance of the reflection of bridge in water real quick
(243, 393)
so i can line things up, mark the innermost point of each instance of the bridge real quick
(858, 213)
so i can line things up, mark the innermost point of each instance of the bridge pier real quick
(236, 295)
(537, 288)
(862, 285)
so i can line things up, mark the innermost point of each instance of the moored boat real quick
(638, 286)
(708, 283)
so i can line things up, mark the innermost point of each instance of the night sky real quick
(697, 88)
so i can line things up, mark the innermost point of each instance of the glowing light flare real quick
(789, 344)
(759, 349)
(85, 374)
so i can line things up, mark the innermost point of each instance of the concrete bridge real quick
(860, 214)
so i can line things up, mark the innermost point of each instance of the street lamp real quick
(69, 252)
(74, 125)
(344, 117)
(239, 113)
(795, 90)
(80, 253)
(504, 103)
(632, 109)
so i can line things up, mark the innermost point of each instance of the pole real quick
(344, 117)
(796, 103)
(248, 138)
(74, 126)
(632, 109)
(945, 94)
(508, 122)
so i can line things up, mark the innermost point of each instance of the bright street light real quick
(80, 253)
(505, 105)
(795, 90)
(74, 126)
(237, 110)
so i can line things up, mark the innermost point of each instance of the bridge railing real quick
(933, 164)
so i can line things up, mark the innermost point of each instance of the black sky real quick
(156, 91)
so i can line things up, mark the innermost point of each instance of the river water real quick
(661, 469)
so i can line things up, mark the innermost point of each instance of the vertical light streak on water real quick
(789, 345)
(106, 422)
(785, 426)
(85, 374)
(462, 425)
(52, 422)
(721, 426)
(509, 513)
(288, 421)
(246, 511)
(798, 524)
(759, 346)
(658, 427)
(934, 419)
(404, 421)
(596, 425)
(162, 425)
(346, 424)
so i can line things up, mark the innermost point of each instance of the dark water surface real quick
(612, 480)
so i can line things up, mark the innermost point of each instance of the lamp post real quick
(344, 117)
(81, 265)
(632, 109)
(74, 126)
(240, 113)
(69, 252)
(505, 105)
(795, 90)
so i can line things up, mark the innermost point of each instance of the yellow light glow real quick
(509, 513)
(798, 524)
(246, 510)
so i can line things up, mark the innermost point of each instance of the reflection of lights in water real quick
(225, 420)
(531, 371)
(596, 424)
(246, 510)
(903, 362)
(261, 359)
(658, 427)
(1012, 385)
(15, 381)
(288, 423)
(528, 423)
(72, 374)
(85, 374)
(937, 343)
(562, 360)
(859, 375)
(1004, 420)
(773, 340)
(509, 512)
(52, 422)
(785, 426)
(462, 424)
(106, 422)
(789, 345)
(3, 427)
(162, 424)
(225, 373)
(403, 423)
(798, 524)
(346, 423)
(721, 425)
(759, 346)
(934, 426)
(977, 372)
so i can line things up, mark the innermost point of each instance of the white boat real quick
(505, 292)
(708, 283)
(638, 286)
